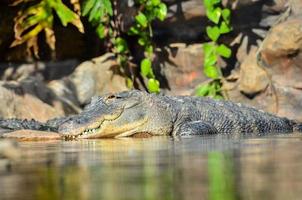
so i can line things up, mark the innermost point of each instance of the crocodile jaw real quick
(112, 129)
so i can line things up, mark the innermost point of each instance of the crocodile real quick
(135, 112)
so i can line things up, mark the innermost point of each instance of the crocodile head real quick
(118, 115)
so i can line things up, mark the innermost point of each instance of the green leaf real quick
(129, 82)
(142, 41)
(65, 14)
(211, 72)
(214, 14)
(108, 7)
(213, 33)
(208, 49)
(96, 10)
(210, 3)
(211, 59)
(212, 90)
(224, 51)
(226, 14)
(153, 85)
(101, 31)
(121, 45)
(142, 20)
(202, 90)
(218, 97)
(149, 50)
(162, 11)
(146, 65)
(87, 6)
(224, 28)
(155, 2)
(133, 31)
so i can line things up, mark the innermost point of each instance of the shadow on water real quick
(157, 168)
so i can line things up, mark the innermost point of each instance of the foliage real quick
(100, 14)
(39, 17)
(220, 17)
(152, 9)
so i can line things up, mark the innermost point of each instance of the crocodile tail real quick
(298, 127)
(7, 125)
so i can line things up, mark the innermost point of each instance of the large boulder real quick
(180, 68)
(279, 88)
(253, 79)
(20, 101)
(97, 77)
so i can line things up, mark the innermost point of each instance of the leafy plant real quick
(100, 14)
(39, 17)
(220, 17)
(152, 9)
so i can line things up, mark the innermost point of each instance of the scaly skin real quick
(136, 112)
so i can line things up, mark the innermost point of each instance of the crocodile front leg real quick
(196, 128)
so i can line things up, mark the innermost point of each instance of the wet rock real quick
(32, 135)
(180, 68)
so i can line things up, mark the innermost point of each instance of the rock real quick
(65, 91)
(97, 77)
(253, 79)
(180, 68)
(48, 70)
(19, 102)
(280, 56)
(264, 100)
(284, 40)
(32, 135)
(17, 71)
(185, 22)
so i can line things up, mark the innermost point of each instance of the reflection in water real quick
(157, 168)
(221, 176)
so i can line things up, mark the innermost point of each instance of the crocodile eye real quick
(111, 96)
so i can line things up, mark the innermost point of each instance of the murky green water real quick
(157, 168)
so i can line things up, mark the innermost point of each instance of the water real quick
(157, 168)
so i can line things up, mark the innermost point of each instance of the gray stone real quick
(19, 102)
(96, 77)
